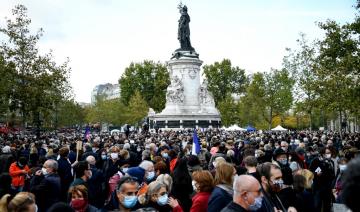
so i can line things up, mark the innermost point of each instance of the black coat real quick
(46, 189)
(233, 207)
(97, 188)
(218, 200)
(65, 175)
(5, 161)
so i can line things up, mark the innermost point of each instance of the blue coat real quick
(218, 200)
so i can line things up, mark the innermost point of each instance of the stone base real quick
(185, 121)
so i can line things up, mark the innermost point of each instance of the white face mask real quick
(328, 156)
(114, 155)
(44, 171)
(342, 167)
(193, 183)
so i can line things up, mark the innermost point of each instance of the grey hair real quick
(91, 159)
(53, 164)
(153, 188)
(166, 180)
(146, 164)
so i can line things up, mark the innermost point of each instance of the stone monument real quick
(189, 104)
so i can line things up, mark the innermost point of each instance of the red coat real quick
(199, 203)
(17, 175)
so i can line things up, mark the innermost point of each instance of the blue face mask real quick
(162, 200)
(129, 201)
(104, 157)
(150, 175)
(165, 155)
(257, 204)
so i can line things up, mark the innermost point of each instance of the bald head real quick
(91, 160)
(246, 191)
(245, 183)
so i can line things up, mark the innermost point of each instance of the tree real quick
(252, 105)
(107, 111)
(150, 79)
(338, 69)
(302, 63)
(278, 96)
(228, 111)
(7, 73)
(39, 83)
(224, 80)
(69, 113)
(137, 109)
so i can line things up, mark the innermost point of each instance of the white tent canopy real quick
(279, 128)
(235, 127)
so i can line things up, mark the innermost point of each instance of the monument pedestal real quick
(188, 103)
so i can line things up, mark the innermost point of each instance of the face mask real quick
(278, 183)
(284, 148)
(89, 174)
(114, 155)
(78, 204)
(104, 157)
(138, 150)
(342, 168)
(328, 156)
(193, 183)
(165, 155)
(162, 200)
(125, 169)
(256, 155)
(94, 149)
(257, 204)
(150, 175)
(283, 161)
(44, 171)
(129, 201)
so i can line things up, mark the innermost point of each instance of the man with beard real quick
(271, 183)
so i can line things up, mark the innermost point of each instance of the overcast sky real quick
(102, 37)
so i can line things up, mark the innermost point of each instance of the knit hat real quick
(137, 172)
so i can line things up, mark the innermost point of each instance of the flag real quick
(196, 145)
(87, 133)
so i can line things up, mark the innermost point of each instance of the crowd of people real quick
(159, 171)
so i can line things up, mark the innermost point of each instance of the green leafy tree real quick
(137, 109)
(224, 80)
(338, 69)
(7, 73)
(150, 79)
(228, 111)
(302, 63)
(107, 111)
(278, 93)
(252, 106)
(69, 113)
(39, 83)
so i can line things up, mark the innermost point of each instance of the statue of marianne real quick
(184, 29)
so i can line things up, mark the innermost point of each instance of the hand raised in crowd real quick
(173, 202)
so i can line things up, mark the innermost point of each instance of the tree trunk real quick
(340, 119)
(270, 118)
(310, 120)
